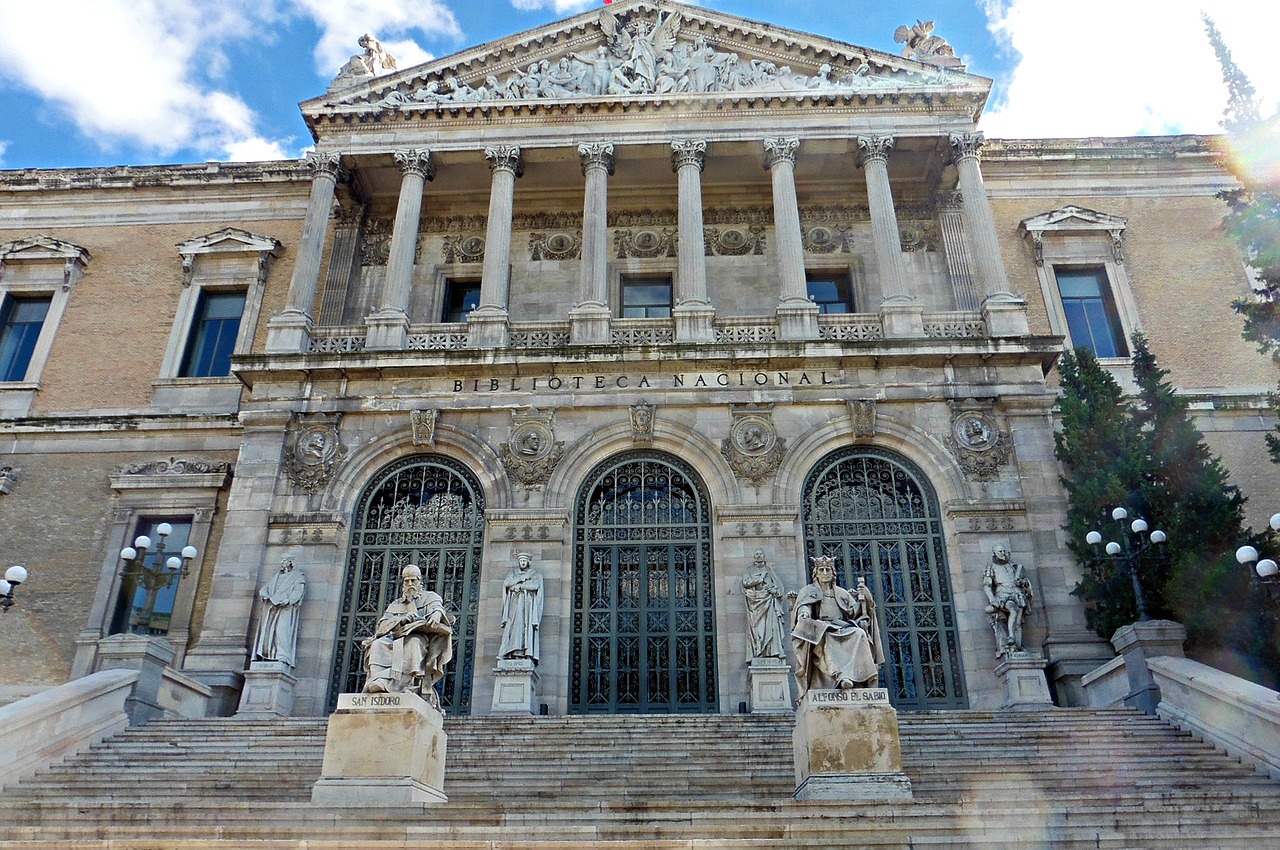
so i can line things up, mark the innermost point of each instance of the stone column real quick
(797, 315)
(589, 320)
(488, 323)
(388, 326)
(901, 312)
(692, 311)
(1006, 314)
(290, 331)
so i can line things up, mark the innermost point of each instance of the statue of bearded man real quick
(412, 643)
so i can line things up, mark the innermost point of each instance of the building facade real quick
(639, 293)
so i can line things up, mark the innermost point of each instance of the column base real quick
(1025, 685)
(488, 327)
(289, 333)
(798, 319)
(380, 749)
(387, 330)
(846, 747)
(268, 691)
(1006, 316)
(769, 686)
(589, 324)
(902, 318)
(694, 321)
(515, 686)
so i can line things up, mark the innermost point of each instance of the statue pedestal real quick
(382, 749)
(769, 684)
(1025, 686)
(846, 747)
(515, 684)
(268, 691)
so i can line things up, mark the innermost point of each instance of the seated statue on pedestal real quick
(835, 634)
(412, 644)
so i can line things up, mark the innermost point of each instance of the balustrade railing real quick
(954, 325)
(850, 327)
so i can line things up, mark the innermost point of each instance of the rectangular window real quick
(460, 298)
(20, 322)
(646, 296)
(1091, 314)
(830, 291)
(213, 334)
(147, 595)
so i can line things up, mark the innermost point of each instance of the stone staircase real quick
(1061, 778)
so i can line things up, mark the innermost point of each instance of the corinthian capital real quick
(780, 150)
(596, 155)
(688, 152)
(874, 149)
(327, 164)
(414, 161)
(965, 145)
(505, 158)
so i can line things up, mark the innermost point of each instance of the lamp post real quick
(153, 577)
(1267, 570)
(1133, 544)
(13, 577)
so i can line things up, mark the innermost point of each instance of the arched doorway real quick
(426, 510)
(643, 631)
(876, 514)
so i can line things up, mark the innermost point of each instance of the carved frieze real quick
(464, 249)
(918, 235)
(753, 448)
(375, 242)
(734, 241)
(563, 245)
(313, 451)
(175, 466)
(642, 423)
(977, 442)
(646, 242)
(532, 453)
(423, 424)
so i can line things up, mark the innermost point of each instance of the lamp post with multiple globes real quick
(155, 577)
(1266, 569)
(13, 577)
(1133, 543)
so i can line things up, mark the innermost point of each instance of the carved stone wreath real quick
(753, 448)
(826, 238)
(464, 249)
(532, 453)
(978, 443)
(555, 246)
(734, 241)
(645, 243)
(314, 451)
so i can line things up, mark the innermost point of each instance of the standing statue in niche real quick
(835, 633)
(1008, 598)
(280, 603)
(521, 610)
(412, 643)
(763, 597)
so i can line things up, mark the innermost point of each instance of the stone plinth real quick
(1025, 686)
(515, 685)
(149, 655)
(769, 685)
(846, 747)
(589, 324)
(798, 320)
(382, 749)
(694, 322)
(268, 691)
(488, 327)
(902, 319)
(1142, 640)
(1006, 318)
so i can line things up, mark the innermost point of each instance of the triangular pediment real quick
(639, 52)
(42, 248)
(1072, 217)
(229, 240)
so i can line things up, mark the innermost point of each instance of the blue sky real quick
(107, 82)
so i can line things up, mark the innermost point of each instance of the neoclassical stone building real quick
(640, 293)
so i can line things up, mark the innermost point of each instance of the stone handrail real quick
(42, 729)
(1237, 715)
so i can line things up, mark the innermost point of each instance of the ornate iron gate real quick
(426, 510)
(876, 514)
(643, 598)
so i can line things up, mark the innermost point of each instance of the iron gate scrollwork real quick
(643, 632)
(426, 510)
(875, 513)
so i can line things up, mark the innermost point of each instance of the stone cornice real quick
(144, 176)
(1118, 147)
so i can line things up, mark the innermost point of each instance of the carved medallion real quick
(645, 243)
(862, 413)
(532, 453)
(423, 423)
(753, 448)
(826, 238)
(314, 451)
(734, 241)
(555, 246)
(464, 249)
(642, 423)
(977, 441)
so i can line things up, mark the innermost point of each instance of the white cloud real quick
(1123, 67)
(4, 146)
(137, 71)
(560, 7)
(342, 22)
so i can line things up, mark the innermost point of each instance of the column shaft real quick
(797, 315)
(589, 319)
(885, 237)
(416, 169)
(692, 311)
(488, 323)
(978, 218)
(289, 332)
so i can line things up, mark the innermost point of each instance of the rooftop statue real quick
(373, 62)
(922, 45)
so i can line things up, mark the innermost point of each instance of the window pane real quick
(460, 298)
(213, 335)
(646, 297)
(830, 292)
(145, 604)
(20, 324)
(1091, 315)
